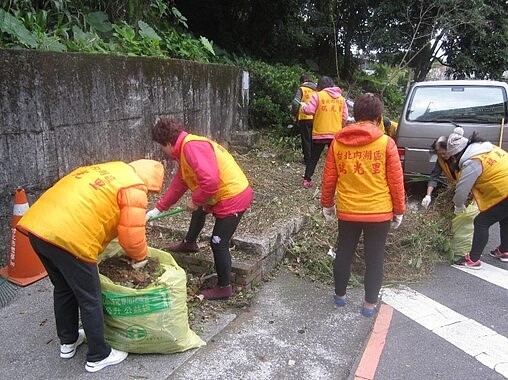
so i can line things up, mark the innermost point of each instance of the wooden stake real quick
(501, 133)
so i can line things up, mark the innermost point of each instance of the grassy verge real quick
(422, 240)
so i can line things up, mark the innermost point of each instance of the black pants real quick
(77, 289)
(374, 240)
(315, 154)
(222, 233)
(305, 128)
(482, 223)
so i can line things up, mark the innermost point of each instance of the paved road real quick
(453, 326)
(291, 331)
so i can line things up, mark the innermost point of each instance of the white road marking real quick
(482, 343)
(490, 273)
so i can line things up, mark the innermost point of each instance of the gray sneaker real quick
(114, 357)
(68, 351)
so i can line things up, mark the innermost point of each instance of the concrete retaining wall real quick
(253, 257)
(59, 111)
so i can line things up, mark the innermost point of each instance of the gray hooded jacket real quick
(470, 170)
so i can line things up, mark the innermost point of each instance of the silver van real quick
(435, 108)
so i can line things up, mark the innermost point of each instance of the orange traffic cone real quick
(24, 265)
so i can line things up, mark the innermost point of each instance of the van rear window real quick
(472, 104)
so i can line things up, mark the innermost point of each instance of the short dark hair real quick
(166, 131)
(440, 142)
(305, 78)
(324, 82)
(368, 107)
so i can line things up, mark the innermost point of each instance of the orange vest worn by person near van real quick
(328, 116)
(363, 171)
(306, 94)
(388, 127)
(452, 177)
(491, 187)
(232, 179)
(94, 204)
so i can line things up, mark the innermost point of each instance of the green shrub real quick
(155, 29)
(392, 94)
(86, 30)
(272, 88)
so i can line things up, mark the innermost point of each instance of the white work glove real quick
(152, 213)
(426, 202)
(329, 214)
(139, 264)
(396, 221)
(459, 210)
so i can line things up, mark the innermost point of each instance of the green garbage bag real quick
(149, 320)
(462, 231)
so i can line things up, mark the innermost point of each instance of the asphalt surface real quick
(292, 330)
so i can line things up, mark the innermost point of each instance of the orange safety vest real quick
(491, 187)
(393, 128)
(452, 177)
(328, 116)
(232, 179)
(306, 95)
(362, 188)
(388, 130)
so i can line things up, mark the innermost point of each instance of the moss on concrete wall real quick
(59, 111)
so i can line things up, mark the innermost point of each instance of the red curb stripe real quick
(372, 353)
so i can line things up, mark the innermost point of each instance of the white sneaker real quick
(114, 357)
(68, 351)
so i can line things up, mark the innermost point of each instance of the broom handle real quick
(167, 213)
(501, 133)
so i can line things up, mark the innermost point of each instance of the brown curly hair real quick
(166, 131)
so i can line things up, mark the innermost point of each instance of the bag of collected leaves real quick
(152, 319)
(462, 231)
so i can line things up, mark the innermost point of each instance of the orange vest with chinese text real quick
(232, 179)
(362, 186)
(328, 116)
(86, 221)
(306, 95)
(491, 187)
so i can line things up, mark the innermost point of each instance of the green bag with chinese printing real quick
(462, 231)
(149, 320)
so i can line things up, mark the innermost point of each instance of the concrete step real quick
(253, 257)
